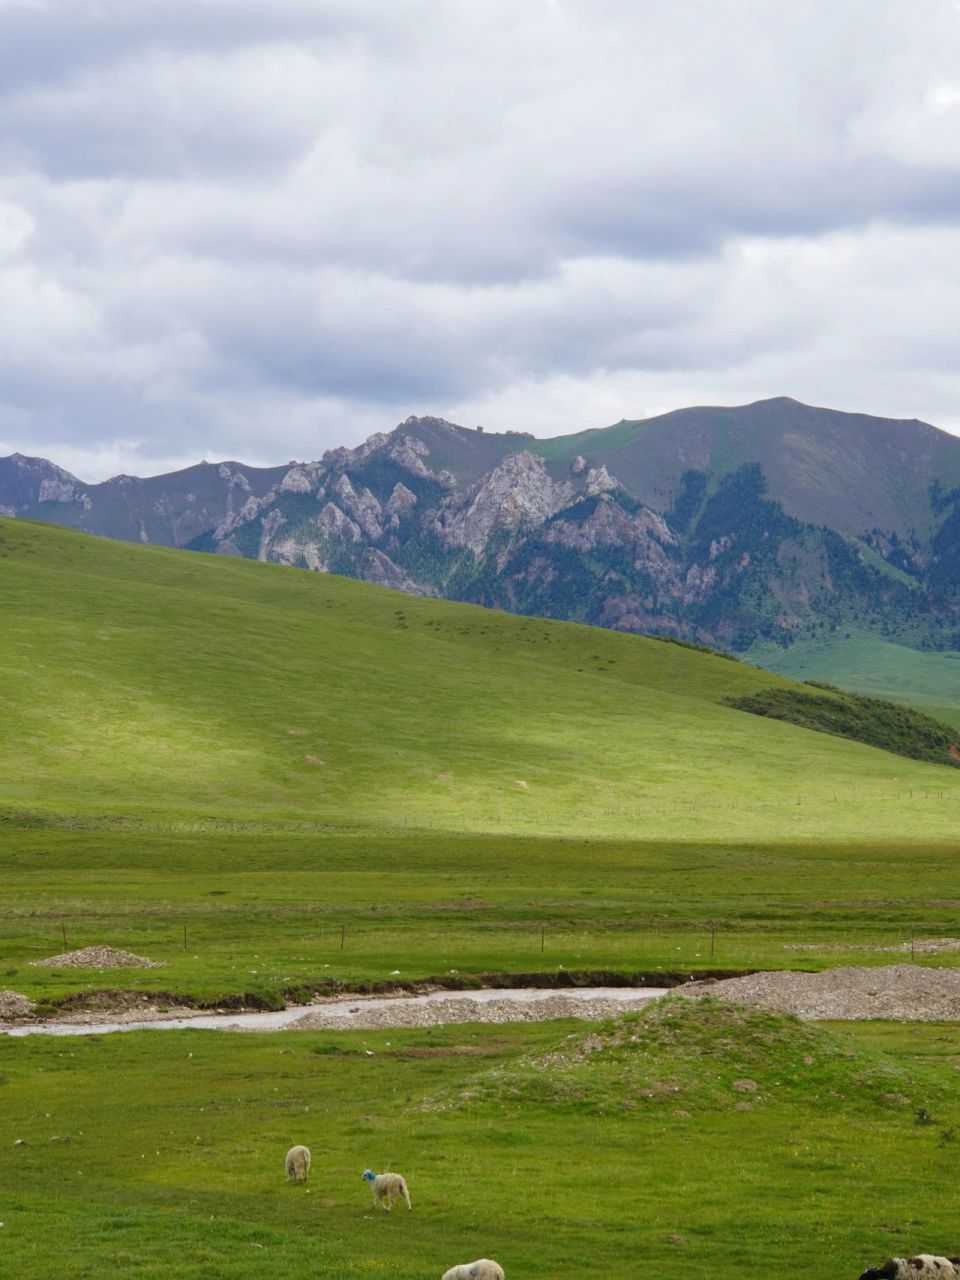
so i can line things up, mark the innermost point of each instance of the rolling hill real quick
(142, 682)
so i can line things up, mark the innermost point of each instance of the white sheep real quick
(482, 1269)
(297, 1163)
(922, 1267)
(386, 1188)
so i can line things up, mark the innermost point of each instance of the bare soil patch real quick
(96, 958)
(900, 993)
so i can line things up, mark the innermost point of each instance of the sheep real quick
(482, 1269)
(297, 1163)
(923, 1267)
(386, 1187)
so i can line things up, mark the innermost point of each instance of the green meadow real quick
(275, 783)
(693, 1140)
(267, 779)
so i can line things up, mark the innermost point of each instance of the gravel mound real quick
(96, 958)
(438, 1013)
(899, 992)
(13, 1005)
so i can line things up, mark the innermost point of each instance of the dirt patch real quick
(96, 958)
(13, 1006)
(900, 992)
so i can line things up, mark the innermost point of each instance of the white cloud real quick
(268, 226)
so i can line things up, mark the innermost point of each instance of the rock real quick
(400, 503)
(362, 506)
(516, 493)
(57, 491)
(599, 480)
(303, 478)
(379, 568)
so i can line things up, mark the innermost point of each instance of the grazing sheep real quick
(297, 1163)
(482, 1269)
(386, 1187)
(923, 1267)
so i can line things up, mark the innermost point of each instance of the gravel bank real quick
(900, 992)
(503, 1008)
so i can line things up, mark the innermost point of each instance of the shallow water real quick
(347, 1008)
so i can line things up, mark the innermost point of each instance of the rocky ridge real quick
(702, 530)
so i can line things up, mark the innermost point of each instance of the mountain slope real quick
(743, 527)
(850, 471)
(141, 682)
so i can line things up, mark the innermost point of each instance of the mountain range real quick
(759, 525)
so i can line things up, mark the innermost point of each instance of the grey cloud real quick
(270, 226)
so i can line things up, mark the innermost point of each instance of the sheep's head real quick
(368, 1175)
(888, 1271)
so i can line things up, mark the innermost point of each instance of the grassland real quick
(149, 685)
(268, 779)
(319, 779)
(639, 1155)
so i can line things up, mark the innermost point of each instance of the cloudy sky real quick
(259, 228)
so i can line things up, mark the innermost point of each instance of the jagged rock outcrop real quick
(378, 567)
(517, 493)
(305, 477)
(362, 506)
(599, 480)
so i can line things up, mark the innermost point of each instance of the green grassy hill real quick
(313, 778)
(145, 683)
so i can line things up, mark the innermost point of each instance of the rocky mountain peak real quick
(599, 481)
(517, 492)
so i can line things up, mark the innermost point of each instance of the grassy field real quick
(642, 1154)
(315, 778)
(267, 779)
(267, 916)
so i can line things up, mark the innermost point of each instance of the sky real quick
(258, 229)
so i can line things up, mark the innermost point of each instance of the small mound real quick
(96, 958)
(898, 992)
(702, 1055)
(14, 1005)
